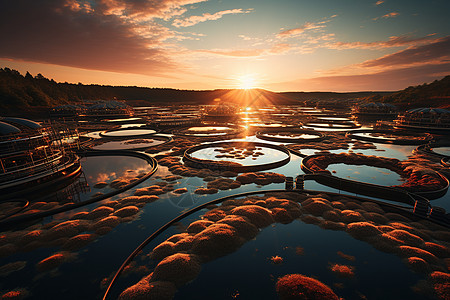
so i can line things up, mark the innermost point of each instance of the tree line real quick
(434, 94)
(26, 92)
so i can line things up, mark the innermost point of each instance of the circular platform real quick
(191, 161)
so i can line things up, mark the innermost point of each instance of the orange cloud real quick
(386, 16)
(379, 2)
(300, 30)
(384, 80)
(435, 52)
(305, 27)
(67, 33)
(139, 10)
(193, 20)
(394, 41)
(236, 53)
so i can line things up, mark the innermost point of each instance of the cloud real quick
(305, 27)
(437, 51)
(300, 30)
(72, 33)
(394, 41)
(193, 20)
(235, 52)
(276, 49)
(387, 16)
(144, 9)
(386, 80)
(379, 2)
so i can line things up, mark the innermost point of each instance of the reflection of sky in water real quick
(123, 120)
(372, 135)
(363, 173)
(108, 168)
(130, 132)
(391, 151)
(293, 135)
(102, 169)
(94, 134)
(306, 110)
(250, 273)
(270, 155)
(248, 270)
(266, 125)
(442, 150)
(324, 125)
(333, 119)
(117, 145)
(206, 128)
(144, 107)
(334, 128)
(131, 125)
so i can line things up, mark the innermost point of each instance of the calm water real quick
(293, 136)
(245, 274)
(128, 144)
(269, 155)
(368, 174)
(129, 132)
(442, 150)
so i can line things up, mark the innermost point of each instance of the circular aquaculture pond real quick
(290, 135)
(334, 119)
(124, 120)
(444, 151)
(391, 136)
(134, 144)
(332, 126)
(103, 175)
(267, 125)
(420, 180)
(208, 130)
(131, 133)
(132, 125)
(237, 156)
(364, 173)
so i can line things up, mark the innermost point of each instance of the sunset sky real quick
(279, 45)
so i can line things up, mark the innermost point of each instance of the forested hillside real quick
(435, 94)
(21, 93)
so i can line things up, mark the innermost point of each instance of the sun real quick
(247, 82)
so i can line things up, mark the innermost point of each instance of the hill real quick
(435, 94)
(25, 93)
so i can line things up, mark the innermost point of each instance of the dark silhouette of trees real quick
(435, 94)
(21, 93)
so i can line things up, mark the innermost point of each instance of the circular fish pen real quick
(174, 121)
(398, 137)
(438, 149)
(203, 131)
(331, 125)
(194, 162)
(290, 135)
(118, 186)
(421, 181)
(32, 158)
(138, 144)
(130, 133)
